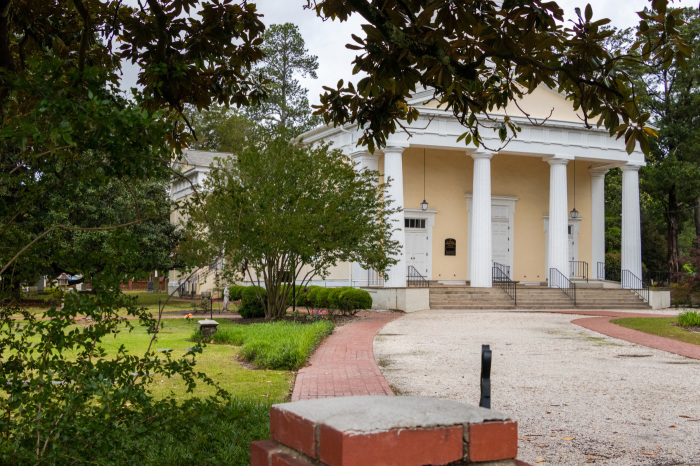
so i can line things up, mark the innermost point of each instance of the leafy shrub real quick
(173, 434)
(322, 299)
(352, 300)
(305, 297)
(613, 263)
(334, 296)
(250, 304)
(235, 293)
(689, 319)
(63, 392)
(275, 345)
(680, 294)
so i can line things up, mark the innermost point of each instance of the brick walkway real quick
(604, 326)
(344, 364)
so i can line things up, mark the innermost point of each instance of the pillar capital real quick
(557, 160)
(482, 154)
(630, 167)
(598, 171)
(395, 148)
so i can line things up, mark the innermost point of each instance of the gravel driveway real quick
(579, 397)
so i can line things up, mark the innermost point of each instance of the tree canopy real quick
(286, 59)
(480, 55)
(279, 206)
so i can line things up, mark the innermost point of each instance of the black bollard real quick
(485, 401)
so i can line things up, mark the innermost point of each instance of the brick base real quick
(369, 430)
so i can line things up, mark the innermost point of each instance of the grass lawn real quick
(660, 326)
(218, 362)
(198, 431)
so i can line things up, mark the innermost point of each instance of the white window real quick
(414, 223)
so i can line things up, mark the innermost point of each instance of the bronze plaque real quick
(450, 247)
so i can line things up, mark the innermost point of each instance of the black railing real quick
(632, 282)
(559, 280)
(578, 269)
(500, 278)
(600, 275)
(414, 278)
(504, 268)
(660, 278)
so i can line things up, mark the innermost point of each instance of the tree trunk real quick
(672, 238)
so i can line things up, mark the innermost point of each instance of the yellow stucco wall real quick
(449, 176)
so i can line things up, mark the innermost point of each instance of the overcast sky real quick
(327, 39)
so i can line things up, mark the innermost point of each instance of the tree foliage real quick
(478, 56)
(221, 129)
(82, 185)
(672, 95)
(670, 182)
(280, 206)
(286, 59)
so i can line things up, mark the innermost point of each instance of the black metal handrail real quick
(632, 282)
(578, 269)
(504, 268)
(600, 274)
(499, 277)
(559, 280)
(414, 278)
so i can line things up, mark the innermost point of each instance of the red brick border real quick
(604, 326)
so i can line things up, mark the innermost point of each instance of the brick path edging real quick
(604, 326)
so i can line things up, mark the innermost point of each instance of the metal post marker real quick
(485, 401)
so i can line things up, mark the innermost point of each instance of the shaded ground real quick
(578, 396)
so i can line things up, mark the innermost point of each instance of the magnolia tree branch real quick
(65, 228)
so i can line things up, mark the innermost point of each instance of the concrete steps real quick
(533, 297)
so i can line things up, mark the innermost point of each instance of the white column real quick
(597, 218)
(558, 252)
(480, 260)
(631, 227)
(393, 169)
(362, 160)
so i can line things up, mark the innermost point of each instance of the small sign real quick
(450, 247)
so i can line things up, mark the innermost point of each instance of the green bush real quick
(275, 345)
(235, 293)
(322, 299)
(292, 293)
(689, 319)
(613, 263)
(352, 300)
(250, 304)
(334, 296)
(305, 297)
(680, 294)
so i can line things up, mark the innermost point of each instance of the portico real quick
(507, 205)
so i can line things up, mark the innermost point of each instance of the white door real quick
(417, 250)
(500, 242)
